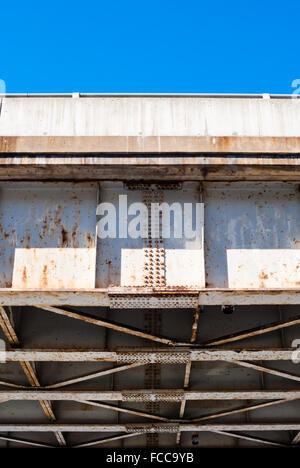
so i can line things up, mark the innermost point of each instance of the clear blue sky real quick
(150, 46)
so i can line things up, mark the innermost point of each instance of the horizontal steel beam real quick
(207, 169)
(161, 299)
(149, 144)
(148, 356)
(249, 297)
(146, 395)
(16, 297)
(148, 427)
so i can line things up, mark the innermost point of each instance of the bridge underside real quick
(95, 354)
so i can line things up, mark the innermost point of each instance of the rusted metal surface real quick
(252, 235)
(43, 229)
(144, 395)
(236, 244)
(174, 396)
(54, 268)
(152, 262)
(169, 341)
(10, 384)
(152, 371)
(82, 297)
(188, 367)
(270, 268)
(148, 299)
(29, 371)
(142, 355)
(8, 329)
(158, 169)
(126, 436)
(146, 428)
(153, 300)
(241, 158)
(248, 296)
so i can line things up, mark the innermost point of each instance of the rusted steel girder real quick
(28, 369)
(149, 356)
(149, 427)
(145, 395)
(156, 298)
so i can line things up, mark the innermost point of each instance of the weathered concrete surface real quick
(150, 144)
(149, 125)
(150, 138)
(150, 117)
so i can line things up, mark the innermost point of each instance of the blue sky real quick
(150, 46)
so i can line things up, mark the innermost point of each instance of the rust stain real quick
(57, 216)
(27, 240)
(74, 235)
(24, 275)
(44, 278)
(90, 241)
(263, 276)
(44, 227)
(64, 237)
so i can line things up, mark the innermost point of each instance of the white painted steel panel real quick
(54, 219)
(156, 263)
(185, 268)
(274, 268)
(54, 268)
(132, 267)
(252, 234)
